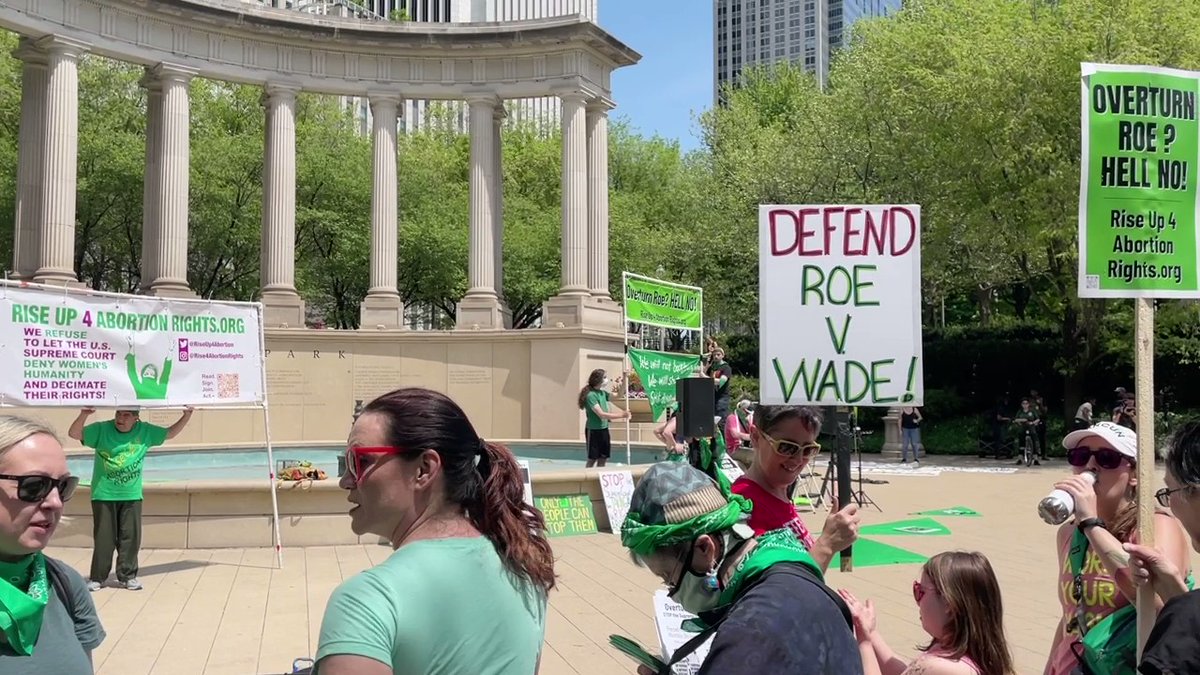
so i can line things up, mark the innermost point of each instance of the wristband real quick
(1087, 523)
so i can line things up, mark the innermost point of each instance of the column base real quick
(582, 311)
(282, 309)
(172, 290)
(891, 433)
(57, 278)
(482, 312)
(381, 311)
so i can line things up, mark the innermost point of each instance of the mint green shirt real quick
(438, 607)
(117, 471)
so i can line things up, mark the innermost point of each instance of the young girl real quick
(958, 599)
(593, 401)
(1106, 513)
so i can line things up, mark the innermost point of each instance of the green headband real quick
(645, 539)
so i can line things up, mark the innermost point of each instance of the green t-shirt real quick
(438, 607)
(600, 398)
(1030, 415)
(117, 471)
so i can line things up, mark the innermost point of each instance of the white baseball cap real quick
(1122, 439)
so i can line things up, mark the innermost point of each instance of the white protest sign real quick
(669, 617)
(526, 481)
(731, 468)
(61, 348)
(840, 305)
(617, 487)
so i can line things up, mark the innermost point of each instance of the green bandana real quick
(776, 546)
(21, 610)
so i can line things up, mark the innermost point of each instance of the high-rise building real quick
(763, 32)
(417, 114)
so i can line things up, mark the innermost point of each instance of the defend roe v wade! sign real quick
(840, 305)
(80, 350)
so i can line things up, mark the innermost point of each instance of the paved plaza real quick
(231, 612)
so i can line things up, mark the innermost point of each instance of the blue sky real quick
(673, 82)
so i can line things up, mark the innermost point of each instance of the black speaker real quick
(697, 407)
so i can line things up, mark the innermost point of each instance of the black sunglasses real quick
(34, 489)
(1106, 458)
(1164, 496)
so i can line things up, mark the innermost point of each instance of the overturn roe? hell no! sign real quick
(840, 305)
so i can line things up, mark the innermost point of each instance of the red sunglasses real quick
(1106, 458)
(918, 591)
(356, 458)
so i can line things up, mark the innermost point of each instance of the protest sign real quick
(658, 372)
(662, 303)
(78, 350)
(1137, 193)
(617, 488)
(567, 515)
(526, 482)
(669, 617)
(840, 305)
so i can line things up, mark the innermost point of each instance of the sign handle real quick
(1143, 354)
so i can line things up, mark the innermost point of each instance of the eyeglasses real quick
(355, 463)
(35, 488)
(792, 448)
(1106, 458)
(1164, 495)
(919, 591)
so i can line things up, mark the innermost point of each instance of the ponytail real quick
(516, 529)
(583, 394)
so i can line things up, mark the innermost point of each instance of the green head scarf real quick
(675, 503)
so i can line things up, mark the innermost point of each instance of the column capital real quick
(29, 52)
(171, 73)
(383, 96)
(280, 91)
(58, 45)
(600, 105)
(489, 98)
(570, 94)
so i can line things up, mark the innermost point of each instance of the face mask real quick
(697, 593)
(606, 382)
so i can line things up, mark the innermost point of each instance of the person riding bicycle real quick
(1028, 419)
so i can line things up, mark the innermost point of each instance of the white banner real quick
(840, 305)
(617, 488)
(80, 349)
(668, 618)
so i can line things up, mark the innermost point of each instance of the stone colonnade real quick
(44, 246)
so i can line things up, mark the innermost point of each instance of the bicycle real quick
(1029, 444)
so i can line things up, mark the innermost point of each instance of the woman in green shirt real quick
(593, 401)
(465, 590)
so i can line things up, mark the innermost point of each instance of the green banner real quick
(1137, 237)
(660, 303)
(567, 515)
(658, 372)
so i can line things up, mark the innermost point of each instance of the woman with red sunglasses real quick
(465, 590)
(958, 601)
(48, 622)
(784, 438)
(1097, 583)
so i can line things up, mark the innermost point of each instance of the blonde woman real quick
(48, 622)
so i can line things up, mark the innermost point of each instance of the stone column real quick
(480, 308)
(498, 116)
(30, 143)
(56, 237)
(282, 304)
(382, 308)
(597, 154)
(165, 233)
(566, 308)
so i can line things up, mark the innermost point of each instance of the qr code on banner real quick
(1091, 281)
(228, 386)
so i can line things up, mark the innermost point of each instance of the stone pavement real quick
(231, 612)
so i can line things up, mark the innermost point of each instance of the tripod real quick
(829, 483)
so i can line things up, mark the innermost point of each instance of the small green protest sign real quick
(658, 372)
(662, 303)
(921, 526)
(567, 515)
(1137, 199)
